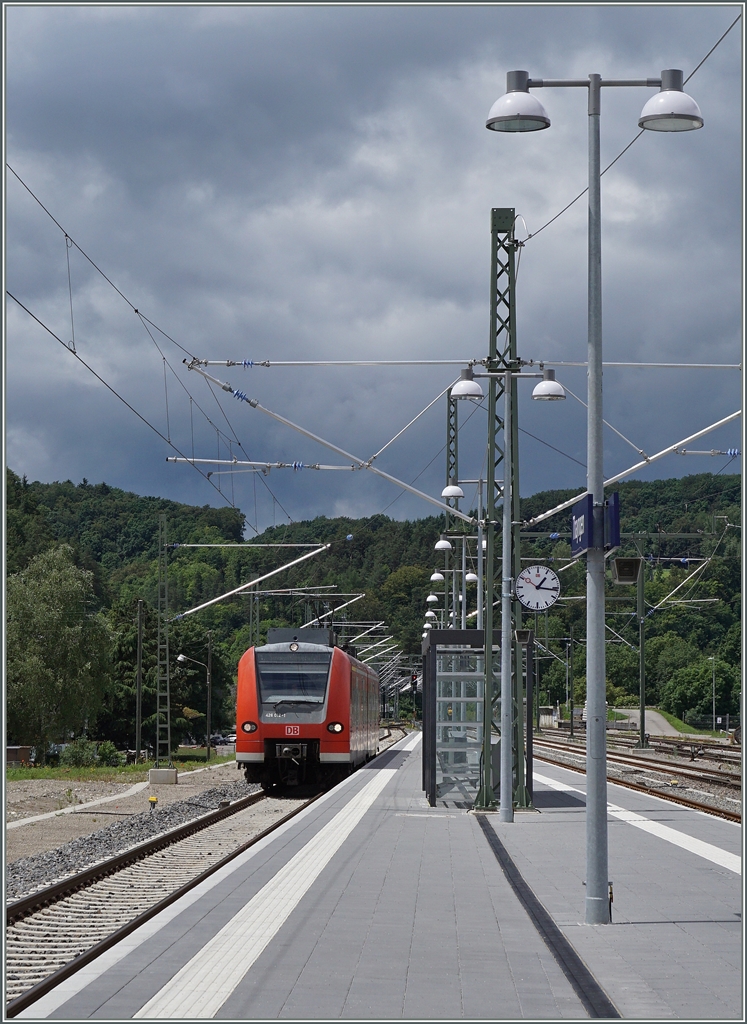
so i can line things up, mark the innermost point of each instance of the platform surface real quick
(372, 906)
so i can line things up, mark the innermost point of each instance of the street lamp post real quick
(183, 659)
(670, 109)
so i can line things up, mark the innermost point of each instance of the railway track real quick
(664, 795)
(690, 746)
(52, 933)
(719, 776)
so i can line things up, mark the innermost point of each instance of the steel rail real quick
(731, 754)
(695, 805)
(664, 767)
(27, 998)
(74, 883)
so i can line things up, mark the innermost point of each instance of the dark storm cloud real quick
(302, 182)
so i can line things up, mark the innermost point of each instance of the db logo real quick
(292, 730)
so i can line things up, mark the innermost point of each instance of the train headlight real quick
(335, 727)
(248, 726)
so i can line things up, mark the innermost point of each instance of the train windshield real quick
(292, 677)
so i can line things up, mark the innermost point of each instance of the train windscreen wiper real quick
(294, 700)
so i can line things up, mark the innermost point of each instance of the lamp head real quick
(437, 577)
(467, 386)
(548, 389)
(671, 109)
(452, 490)
(182, 659)
(471, 577)
(443, 544)
(431, 599)
(517, 110)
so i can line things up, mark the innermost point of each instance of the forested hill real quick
(106, 525)
(114, 533)
(101, 543)
(112, 528)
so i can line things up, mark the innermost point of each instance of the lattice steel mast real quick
(163, 695)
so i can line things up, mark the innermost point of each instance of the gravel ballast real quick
(28, 874)
(660, 783)
(44, 852)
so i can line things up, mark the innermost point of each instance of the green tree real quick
(690, 689)
(188, 690)
(58, 646)
(403, 596)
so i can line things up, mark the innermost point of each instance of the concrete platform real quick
(371, 906)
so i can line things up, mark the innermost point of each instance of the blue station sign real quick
(582, 526)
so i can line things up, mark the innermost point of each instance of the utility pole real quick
(209, 686)
(713, 663)
(139, 684)
(642, 741)
(570, 673)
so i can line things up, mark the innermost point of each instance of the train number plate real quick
(292, 730)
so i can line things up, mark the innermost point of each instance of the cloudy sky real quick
(303, 182)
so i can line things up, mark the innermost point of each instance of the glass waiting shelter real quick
(453, 704)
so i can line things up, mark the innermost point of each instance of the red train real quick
(306, 710)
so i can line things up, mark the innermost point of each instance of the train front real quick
(293, 709)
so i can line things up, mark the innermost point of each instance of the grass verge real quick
(683, 727)
(184, 760)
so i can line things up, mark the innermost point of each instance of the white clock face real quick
(537, 587)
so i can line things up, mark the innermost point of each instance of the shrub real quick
(79, 754)
(109, 755)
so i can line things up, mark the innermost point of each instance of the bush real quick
(79, 754)
(109, 755)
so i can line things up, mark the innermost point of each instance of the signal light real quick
(249, 727)
(335, 727)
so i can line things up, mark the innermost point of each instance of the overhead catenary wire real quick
(96, 267)
(634, 469)
(334, 611)
(275, 498)
(110, 388)
(614, 429)
(361, 463)
(552, 446)
(70, 241)
(408, 425)
(466, 361)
